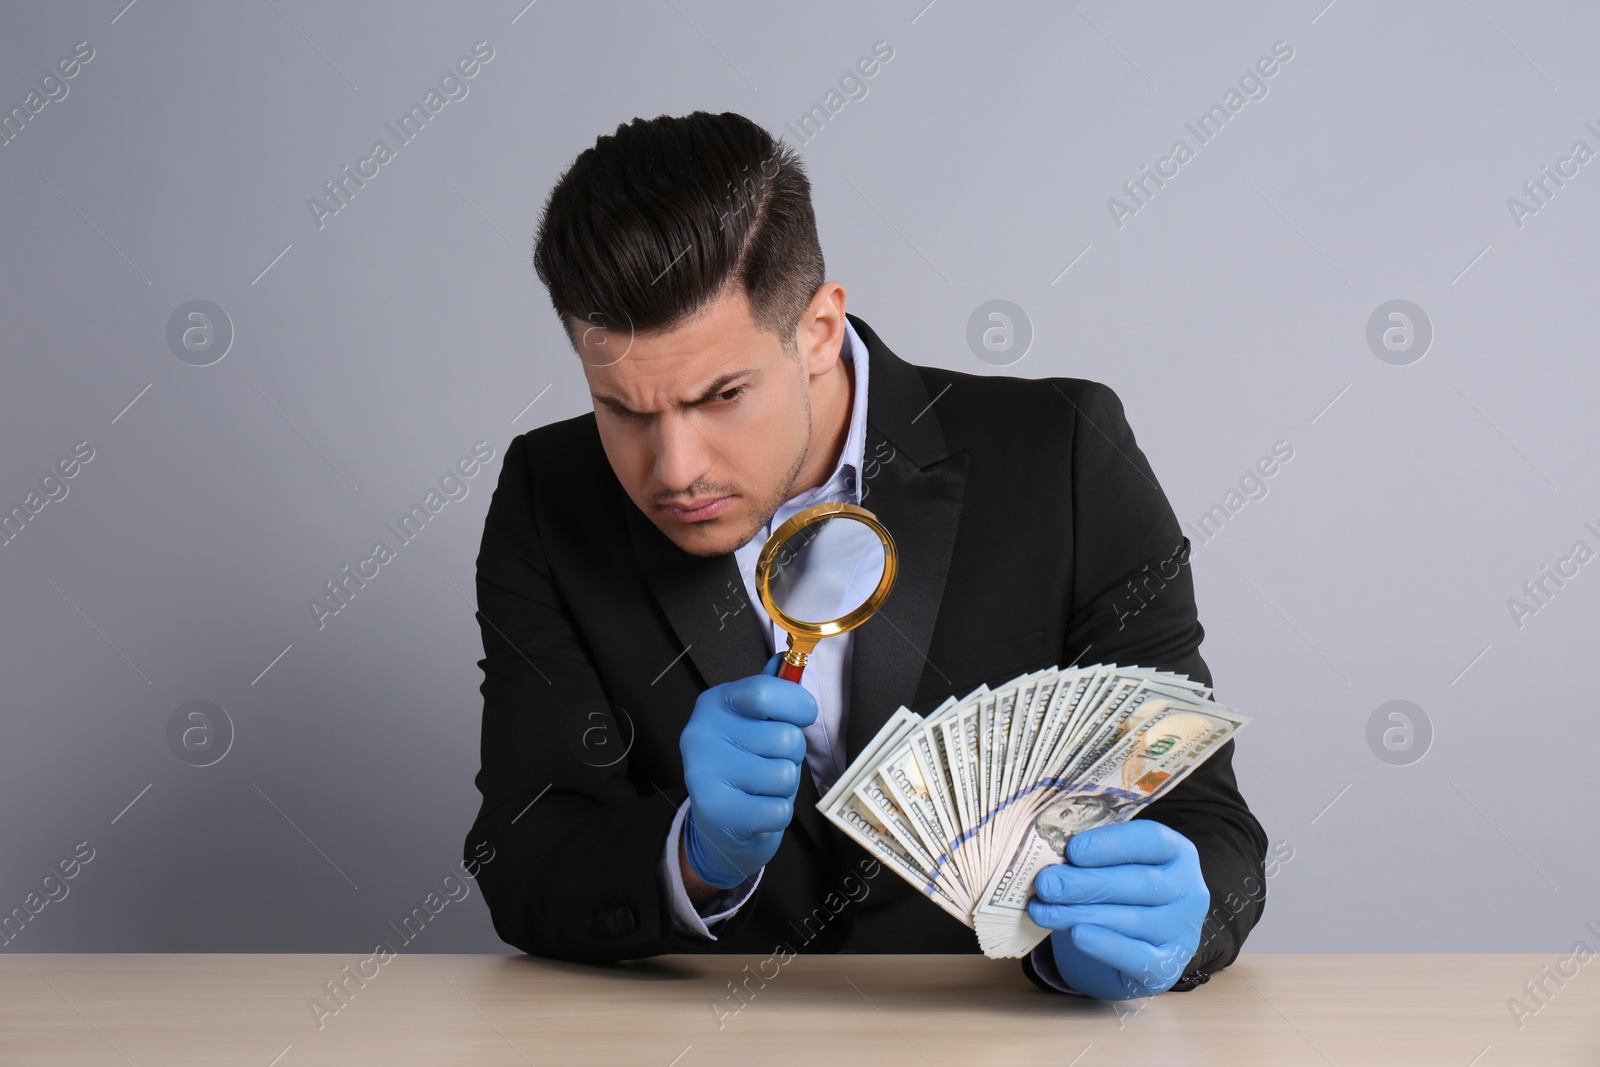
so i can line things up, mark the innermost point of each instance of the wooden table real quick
(678, 1011)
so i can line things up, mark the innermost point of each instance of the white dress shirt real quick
(827, 674)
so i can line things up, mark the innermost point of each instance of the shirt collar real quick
(852, 456)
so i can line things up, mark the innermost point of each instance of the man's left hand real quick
(1125, 910)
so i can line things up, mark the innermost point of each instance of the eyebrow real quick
(718, 385)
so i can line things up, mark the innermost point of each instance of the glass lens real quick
(826, 570)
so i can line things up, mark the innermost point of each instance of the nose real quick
(683, 455)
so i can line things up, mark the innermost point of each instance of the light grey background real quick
(1230, 313)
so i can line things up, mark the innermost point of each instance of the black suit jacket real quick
(1031, 531)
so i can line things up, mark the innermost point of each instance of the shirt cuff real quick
(1043, 959)
(686, 921)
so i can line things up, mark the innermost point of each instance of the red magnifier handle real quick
(789, 671)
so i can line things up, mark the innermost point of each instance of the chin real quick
(712, 538)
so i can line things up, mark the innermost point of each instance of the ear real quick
(821, 329)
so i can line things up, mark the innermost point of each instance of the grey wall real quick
(371, 350)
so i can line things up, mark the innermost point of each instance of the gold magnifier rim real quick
(793, 525)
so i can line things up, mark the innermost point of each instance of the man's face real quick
(706, 426)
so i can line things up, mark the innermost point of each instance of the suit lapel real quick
(914, 485)
(695, 593)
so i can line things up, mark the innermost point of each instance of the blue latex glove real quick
(743, 754)
(1125, 910)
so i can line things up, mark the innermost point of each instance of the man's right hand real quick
(743, 753)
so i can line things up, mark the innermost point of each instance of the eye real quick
(728, 396)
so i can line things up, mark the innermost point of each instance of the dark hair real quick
(666, 215)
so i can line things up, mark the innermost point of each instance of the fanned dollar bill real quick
(971, 801)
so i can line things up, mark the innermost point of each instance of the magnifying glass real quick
(821, 573)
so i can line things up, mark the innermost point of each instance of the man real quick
(648, 785)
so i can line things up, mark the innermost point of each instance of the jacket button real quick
(620, 922)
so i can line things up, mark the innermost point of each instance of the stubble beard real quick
(782, 495)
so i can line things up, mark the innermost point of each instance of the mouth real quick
(699, 510)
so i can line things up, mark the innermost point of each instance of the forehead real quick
(676, 364)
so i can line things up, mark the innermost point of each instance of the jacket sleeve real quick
(576, 844)
(1133, 604)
